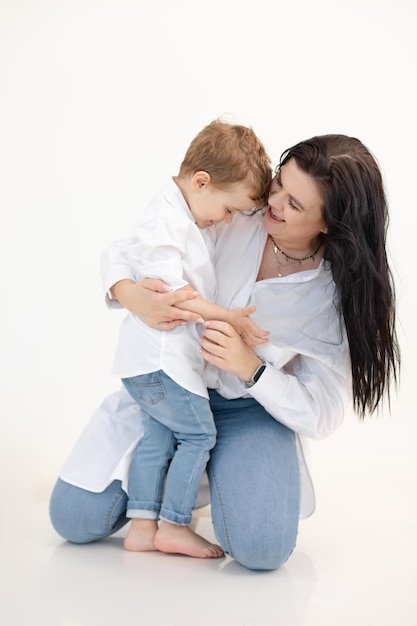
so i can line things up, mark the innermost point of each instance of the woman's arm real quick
(310, 399)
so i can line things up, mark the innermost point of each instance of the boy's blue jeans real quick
(179, 434)
(254, 490)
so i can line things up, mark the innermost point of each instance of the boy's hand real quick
(251, 334)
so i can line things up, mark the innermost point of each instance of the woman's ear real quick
(200, 179)
(325, 230)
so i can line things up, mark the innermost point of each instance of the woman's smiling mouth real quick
(273, 216)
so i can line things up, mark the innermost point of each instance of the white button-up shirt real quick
(166, 244)
(307, 382)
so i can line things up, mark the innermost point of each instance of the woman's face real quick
(294, 215)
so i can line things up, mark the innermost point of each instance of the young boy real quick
(225, 170)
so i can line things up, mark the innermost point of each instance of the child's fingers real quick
(248, 310)
(257, 332)
(252, 341)
(255, 336)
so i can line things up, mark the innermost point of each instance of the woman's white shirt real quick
(307, 382)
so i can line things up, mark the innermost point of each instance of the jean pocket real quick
(147, 388)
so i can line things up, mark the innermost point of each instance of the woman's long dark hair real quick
(356, 216)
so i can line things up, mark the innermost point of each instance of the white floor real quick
(355, 563)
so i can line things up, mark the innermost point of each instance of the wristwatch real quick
(256, 375)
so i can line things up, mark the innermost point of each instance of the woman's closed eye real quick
(293, 206)
(290, 200)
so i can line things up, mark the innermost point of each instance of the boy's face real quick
(210, 205)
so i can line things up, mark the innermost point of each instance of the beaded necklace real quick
(289, 258)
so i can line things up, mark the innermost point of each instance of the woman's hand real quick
(222, 346)
(154, 303)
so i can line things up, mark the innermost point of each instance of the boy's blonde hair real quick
(230, 153)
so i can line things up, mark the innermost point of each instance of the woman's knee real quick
(258, 543)
(261, 555)
(65, 513)
(81, 516)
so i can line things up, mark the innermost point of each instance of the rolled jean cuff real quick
(175, 518)
(143, 510)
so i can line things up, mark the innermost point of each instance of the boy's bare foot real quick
(140, 537)
(182, 540)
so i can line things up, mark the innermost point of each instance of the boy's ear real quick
(201, 179)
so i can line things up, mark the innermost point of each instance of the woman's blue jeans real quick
(254, 486)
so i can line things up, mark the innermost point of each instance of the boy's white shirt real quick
(166, 244)
(307, 382)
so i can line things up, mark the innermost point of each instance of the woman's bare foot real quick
(182, 540)
(140, 537)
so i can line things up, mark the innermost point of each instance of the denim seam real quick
(211, 473)
(111, 511)
(213, 431)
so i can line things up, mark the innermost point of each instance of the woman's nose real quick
(273, 199)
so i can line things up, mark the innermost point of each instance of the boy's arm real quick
(238, 318)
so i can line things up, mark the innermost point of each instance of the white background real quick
(99, 100)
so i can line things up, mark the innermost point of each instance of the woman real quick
(314, 264)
